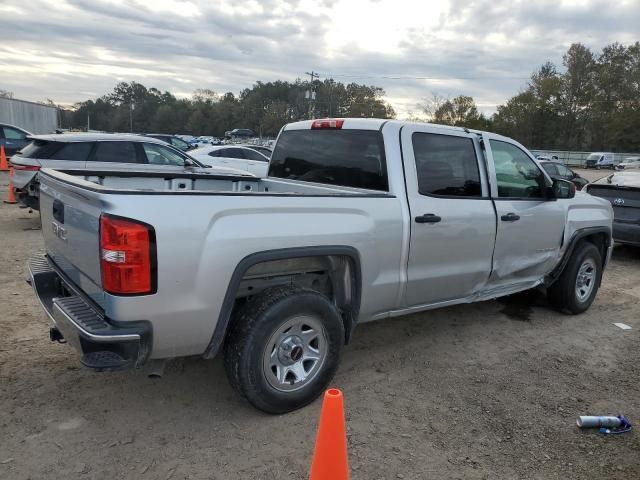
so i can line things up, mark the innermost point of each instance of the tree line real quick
(264, 108)
(593, 104)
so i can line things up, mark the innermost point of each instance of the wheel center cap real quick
(290, 350)
(296, 353)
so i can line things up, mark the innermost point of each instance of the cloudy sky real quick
(71, 50)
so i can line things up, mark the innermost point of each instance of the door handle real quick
(428, 218)
(510, 217)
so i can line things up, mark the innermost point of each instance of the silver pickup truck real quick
(358, 220)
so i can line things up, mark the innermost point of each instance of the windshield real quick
(594, 156)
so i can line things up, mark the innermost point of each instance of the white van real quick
(600, 160)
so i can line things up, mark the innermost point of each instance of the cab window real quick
(115, 152)
(253, 155)
(233, 153)
(517, 175)
(446, 165)
(176, 142)
(75, 152)
(160, 155)
(13, 134)
(550, 168)
(564, 171)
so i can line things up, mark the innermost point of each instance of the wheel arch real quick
(599, 236)
(346, 288)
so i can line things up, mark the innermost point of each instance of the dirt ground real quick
(484, 391)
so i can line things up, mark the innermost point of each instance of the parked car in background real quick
(240, 133)
(207, 140)
(622, 189)
(190, 139)
(13, 138)
(266, 151)
(241, 158)
(549, 158)
(560, 170)
(172, 140)
(96, 151)
(629, 163)
(600, 160)
(358, 220)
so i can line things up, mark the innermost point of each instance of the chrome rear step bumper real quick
(103, 344)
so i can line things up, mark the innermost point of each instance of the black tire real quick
(252, 327)
(562, 294)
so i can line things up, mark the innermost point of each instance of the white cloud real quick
(482, 48)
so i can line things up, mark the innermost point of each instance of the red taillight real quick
(127, 256)
(327, 123)
(30, 168)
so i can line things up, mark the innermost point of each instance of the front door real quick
(452, 219)
(530, 226)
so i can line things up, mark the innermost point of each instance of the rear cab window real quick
(348, 158)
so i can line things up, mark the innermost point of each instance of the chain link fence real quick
(578, 159)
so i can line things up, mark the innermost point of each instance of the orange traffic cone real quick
(4, 166)
(330, 460)
(11, 197)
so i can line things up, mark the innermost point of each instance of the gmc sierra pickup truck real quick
(358, 220)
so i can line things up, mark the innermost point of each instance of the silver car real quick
(102, 151)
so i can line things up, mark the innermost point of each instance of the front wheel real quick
(284, 348)
(574, 291)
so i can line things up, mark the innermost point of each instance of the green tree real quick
(460, 111)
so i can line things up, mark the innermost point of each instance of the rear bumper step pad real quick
(104, 346)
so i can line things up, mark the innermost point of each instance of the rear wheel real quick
(284, 348)
(574, 291)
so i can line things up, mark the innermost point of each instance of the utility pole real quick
(311, 94)
(131, 107)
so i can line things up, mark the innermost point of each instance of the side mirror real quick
(563, 188)
(188, 163)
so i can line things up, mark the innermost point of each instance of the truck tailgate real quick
(70, 226)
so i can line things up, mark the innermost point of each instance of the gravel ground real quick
(483, 391)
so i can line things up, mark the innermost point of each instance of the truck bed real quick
(193, 183)
(204, 226)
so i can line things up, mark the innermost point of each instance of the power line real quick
(409, 77)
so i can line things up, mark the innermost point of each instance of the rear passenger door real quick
(452, 217)
(530, 225)
(115, 155)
